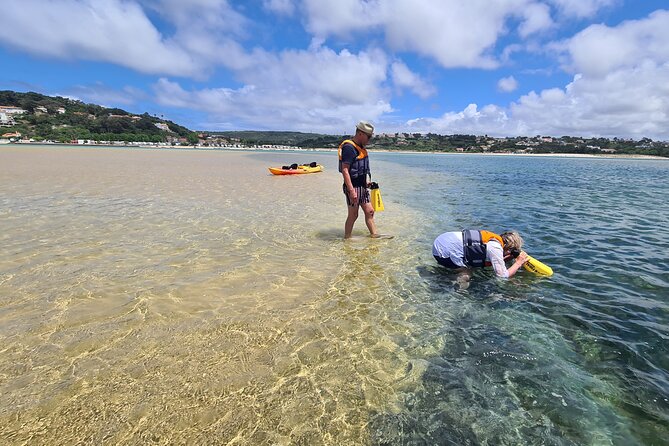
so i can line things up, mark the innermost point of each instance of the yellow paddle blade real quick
(377, 202)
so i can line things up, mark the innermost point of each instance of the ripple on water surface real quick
(190, 297)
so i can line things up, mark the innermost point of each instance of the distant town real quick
(32, 118)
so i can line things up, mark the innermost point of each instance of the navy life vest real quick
(359, 167)
(474, 246)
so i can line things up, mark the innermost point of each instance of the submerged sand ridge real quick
(186, 297)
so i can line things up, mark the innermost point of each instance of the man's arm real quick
(520, 260)
(345, 171)
(496, 255)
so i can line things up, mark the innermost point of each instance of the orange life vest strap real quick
(362, 152)
(487, 235)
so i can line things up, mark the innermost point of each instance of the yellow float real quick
(536, 267)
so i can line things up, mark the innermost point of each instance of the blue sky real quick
(495, 67)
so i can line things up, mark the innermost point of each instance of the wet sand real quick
(174, 296)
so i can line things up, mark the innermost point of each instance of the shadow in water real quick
(330, 235)
(479, 285)
(440, 279)
(487, 385)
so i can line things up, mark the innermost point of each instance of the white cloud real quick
(103, 31)
(618, 89)
(630, 102)
(106, 31)
(491, 120)
(214, 16)
(434, 29)
(403, 77)
(452, 32)
(507, 84)
(329, 92)
(625, 103)
(314, 88)
(582, 8)
(341, 17)
(600, 49)
(537, 18)
(120, 32)
(621, 88)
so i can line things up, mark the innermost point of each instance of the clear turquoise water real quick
(580, 358)
(189, 297)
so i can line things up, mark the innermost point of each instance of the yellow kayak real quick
(535, 266)
(296, 169)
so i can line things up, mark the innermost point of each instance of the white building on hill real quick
(6, 120)
(11, 110)
(163, 126)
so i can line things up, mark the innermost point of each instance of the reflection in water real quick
(151, 296)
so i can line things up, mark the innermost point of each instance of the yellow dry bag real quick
(535, 266)
(377, 202)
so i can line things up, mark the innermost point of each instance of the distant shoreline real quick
(560, 155)
(329, 149)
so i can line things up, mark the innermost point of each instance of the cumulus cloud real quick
(109, 30)
(120, 32)
(600, 49)
(342, 17)
(250, 108)
(403, 77)
(507, 84)
(582, 8)
(633, 102)
(621, 88)
(625, 103)
(431, 28)
(454, 33)
(105, 31)
(215, 16)
(491, 120)
(537, 18)
(330, 91)
(619, 72)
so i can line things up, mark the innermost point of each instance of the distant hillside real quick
(432, 142)
(58, 119)
(62, 120)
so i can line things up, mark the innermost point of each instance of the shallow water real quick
(189, 297)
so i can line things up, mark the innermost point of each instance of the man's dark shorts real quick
(363, 195)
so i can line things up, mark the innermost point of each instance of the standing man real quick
(354, 167)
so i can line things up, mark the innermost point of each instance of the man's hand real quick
(353, 196)
(522, 258)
